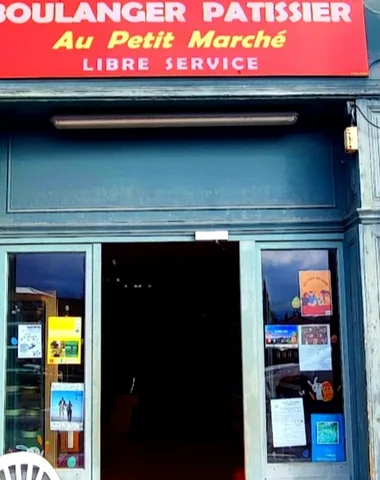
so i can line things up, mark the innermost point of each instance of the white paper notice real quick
(29, 341)
(314, 348)
(288, 422)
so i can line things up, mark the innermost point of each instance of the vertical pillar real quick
(368, 119)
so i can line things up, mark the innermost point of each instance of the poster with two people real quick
(67, 407)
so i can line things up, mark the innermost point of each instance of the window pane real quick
(44, 409)
(303, 371)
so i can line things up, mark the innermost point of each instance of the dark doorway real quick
(171, 362)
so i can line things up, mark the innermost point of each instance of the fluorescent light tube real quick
(103, 122)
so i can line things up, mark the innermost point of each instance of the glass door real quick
(47, 368)
(295, 360)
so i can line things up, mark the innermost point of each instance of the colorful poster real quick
(29, 343)
(64, 340)
(314, 348)
(67, 407)
(327, 437)
(315, 292)
(188, 38)
(281, 336)
(322, 390)
(288, 422)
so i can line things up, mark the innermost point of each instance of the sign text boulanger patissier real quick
(72, 38)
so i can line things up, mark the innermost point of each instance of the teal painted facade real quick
(290, 187)
(173, 180)
(275, 188)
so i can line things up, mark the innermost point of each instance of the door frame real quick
(256, 465)
(64, 473)
(250, 247)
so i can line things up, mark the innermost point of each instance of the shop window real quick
(44, 409)
(303, 366)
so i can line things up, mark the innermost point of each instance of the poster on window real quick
(281, 336)
(327, 437)
(29, 343)
(67, 407)
(64, 340)
(314, 351)
(315, 293)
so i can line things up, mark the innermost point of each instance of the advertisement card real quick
(64, 340)
(288, 422)
(327, 438)
(315, 292)
(29, 343)
(67, 407)
(314, 348)
(281, 336)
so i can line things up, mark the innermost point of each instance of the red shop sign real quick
(72, 38)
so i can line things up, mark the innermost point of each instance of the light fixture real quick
(103, 122)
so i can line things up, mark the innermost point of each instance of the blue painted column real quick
(368, 117)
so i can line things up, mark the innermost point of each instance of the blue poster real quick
(281, 336)
(327, 437)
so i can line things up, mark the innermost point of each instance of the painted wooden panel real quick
(276, 176)
(368, 118)
(136, 172)
(356, 360)
(352, 183)
(370, 258)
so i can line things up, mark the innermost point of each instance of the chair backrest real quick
(26, 466)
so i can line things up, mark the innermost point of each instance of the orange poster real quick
(315, 293)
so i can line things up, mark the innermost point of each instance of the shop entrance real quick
(172, 403)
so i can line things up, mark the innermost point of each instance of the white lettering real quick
(169, 12)
(256, 8)
(3, 15)
(153, 12)
(60, 16)
(277, 12)
(340, 12)
(212, 10)
(19, 12)
(296, 13)
(86, 66)
(252, 63)
(211, 64)
(111, 64)
(106, 12)
(235, 12)
(321, 12)
(237, 63)
(84, 13)
(39, 17)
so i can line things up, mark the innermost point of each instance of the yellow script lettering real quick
(259, 40)
(149, 40)
(68, 42)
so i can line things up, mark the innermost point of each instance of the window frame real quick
(6, 250)
(251, 277)
(256, 465)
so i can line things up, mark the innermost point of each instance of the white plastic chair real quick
(26, 466)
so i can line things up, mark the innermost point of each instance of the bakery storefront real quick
(175, 239)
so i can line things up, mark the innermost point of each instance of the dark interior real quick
(171, 362)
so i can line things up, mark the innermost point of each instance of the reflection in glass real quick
(303, 372)
(42, 287)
